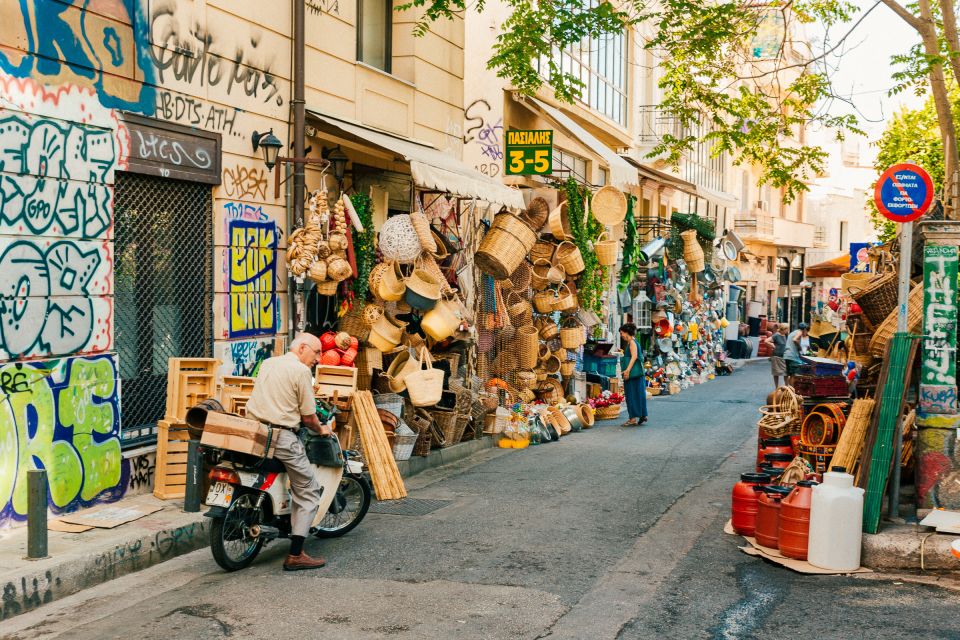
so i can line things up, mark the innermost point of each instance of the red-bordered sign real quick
(904, 192)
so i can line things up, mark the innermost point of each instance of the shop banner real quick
(938, 373)
(529, 152)
(859, 256)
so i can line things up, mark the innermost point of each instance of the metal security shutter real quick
(163, 305)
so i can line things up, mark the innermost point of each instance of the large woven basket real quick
(527, 347)
(571, 337)
(606, 250)
(878, 298)
(883, 334)
(519, 310)
(692, 251)
(559, 223)
(853, 283)
(608, 413)
(504, 246)
(609, 205)
(536, 213)
(542, 250)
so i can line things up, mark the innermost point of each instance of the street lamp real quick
(270, 146)
(338, 161)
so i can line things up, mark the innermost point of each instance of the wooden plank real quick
(387, 482)
(850, 445)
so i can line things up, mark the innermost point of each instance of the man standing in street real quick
(798, 344)
(283, 398)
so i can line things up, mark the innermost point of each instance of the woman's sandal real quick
(632, 422)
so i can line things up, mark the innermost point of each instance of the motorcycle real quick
(249, 499)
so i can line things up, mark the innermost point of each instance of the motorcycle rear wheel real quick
(348, 508)
(230, 541)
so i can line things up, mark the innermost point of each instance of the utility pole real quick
(299, 178)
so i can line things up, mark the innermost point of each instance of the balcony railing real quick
(754, 226)
(655, 123)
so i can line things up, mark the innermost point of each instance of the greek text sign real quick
(904, 192)
(529, 152)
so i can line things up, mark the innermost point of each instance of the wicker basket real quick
(609, 205)
(571, 337)
(567, 368)
(543, 301)
(504, 246)
(606, 250)
(520, 278)
(883, 334)
(542, 250)
(878, 298)
(422, 226)
(853, 283)
(421, 423)
(692, 251)
(327, 288)
(548, 329)
(566, 299)
(559, 224)
(536, 213)
(446, 422)
(568, 256)
(404, 443)
(527, 347)
(519, 310)
(607, 413)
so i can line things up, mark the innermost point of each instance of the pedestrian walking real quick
(634, 379)
(778, 367)
(798, 344)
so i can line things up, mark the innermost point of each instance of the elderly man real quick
(283, 398)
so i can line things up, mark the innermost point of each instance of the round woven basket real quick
(519, 310)
(422, 226)
(527, 347)
(542, 250)
(536, 213)
(607, 413)
(327, 287)
(571, 337)
(399, 240)
(543, 301)
(567, 368)
(877, 298)
(566, 299)
(609, 205)
(853, 283)
(548, 329)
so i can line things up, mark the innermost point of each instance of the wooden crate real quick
(189, 381)
(170, 478)
(234, 393)
(330, 379)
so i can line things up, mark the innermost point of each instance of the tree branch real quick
(950, 35)
(901, 11)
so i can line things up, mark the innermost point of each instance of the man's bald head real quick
(307, 348)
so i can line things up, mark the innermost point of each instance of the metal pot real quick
(573, 417)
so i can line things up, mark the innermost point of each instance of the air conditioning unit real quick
(761, 204)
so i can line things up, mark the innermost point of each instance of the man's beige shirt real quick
(283, 392)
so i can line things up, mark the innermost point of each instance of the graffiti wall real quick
(69, 72)
(938, 366)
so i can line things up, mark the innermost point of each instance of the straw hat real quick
(609, 205)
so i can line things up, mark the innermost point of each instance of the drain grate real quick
(408, 506)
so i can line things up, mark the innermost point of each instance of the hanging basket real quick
(692, 251)
(559, 223)
(606, 250)
(571, 337)
(422, 226)
(536, 213)
(609, 206)
(567, 368)
(543, 301)
(327, 288)
(566, 299)
(391, 285)
(504, 246)
(399, 240)
(548, 329)
(423, 290)
(527, 347)
(542, 250)
(519, 310)
(568, 256)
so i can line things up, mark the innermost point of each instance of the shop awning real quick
(664, 178)
(830, 269)
(721, 198)
(622, 174)
(430, 167)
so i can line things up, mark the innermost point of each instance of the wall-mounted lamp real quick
(269, 145)
(338, 162)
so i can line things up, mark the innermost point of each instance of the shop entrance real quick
(163, 304)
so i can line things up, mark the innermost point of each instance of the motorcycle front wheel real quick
(348, 508)
(233, 546)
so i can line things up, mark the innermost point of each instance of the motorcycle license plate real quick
(220, 495)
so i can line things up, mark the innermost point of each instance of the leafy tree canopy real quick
(716, 83)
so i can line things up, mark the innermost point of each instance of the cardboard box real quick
(235, 433)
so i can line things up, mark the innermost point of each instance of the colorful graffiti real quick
(938, 462)
(252, 277)
(938, 373)
(486, 135)
(245, 182)
(62, 416)
(244, 357)
(66, 44)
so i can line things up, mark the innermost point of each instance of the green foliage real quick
(363, 244)
(713, 87)
(911, 136)
(680, 222)
(629, 266)
(585, 229)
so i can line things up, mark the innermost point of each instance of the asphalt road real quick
(610, 533)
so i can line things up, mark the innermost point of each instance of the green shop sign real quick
(938, 372)
(529, 152)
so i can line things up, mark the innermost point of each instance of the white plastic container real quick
(836, 522)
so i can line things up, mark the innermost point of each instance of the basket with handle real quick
(548, 329)
(546, 273)
(571, 337)
(568, 256)
(567, 368)
(421, 422)
(853, 283)
(566, 299)
(446, 422)
(527, 347)
(504, 246)
(519, 310)
(536, 213)
(558, 223)
(606, 250)
(422, 227)
(543, 301)
(884, 333)
(425, 385)
(877, 298)
(542, 250)
(611, 412)
(405, 440)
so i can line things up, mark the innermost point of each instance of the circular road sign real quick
(904, 192)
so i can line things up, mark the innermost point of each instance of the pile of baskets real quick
(782, 416)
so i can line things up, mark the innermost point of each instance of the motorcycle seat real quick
(254, 463)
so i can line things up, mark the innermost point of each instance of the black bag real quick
(324, 451)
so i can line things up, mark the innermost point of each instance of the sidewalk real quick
(81, 560)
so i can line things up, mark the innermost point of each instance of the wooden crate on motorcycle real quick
(236, 433)
(170, 475)
(189, 382)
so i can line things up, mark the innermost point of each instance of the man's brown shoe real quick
(302, 562)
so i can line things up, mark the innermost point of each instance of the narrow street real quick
(612, 533)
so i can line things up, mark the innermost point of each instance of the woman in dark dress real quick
(634, 379)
